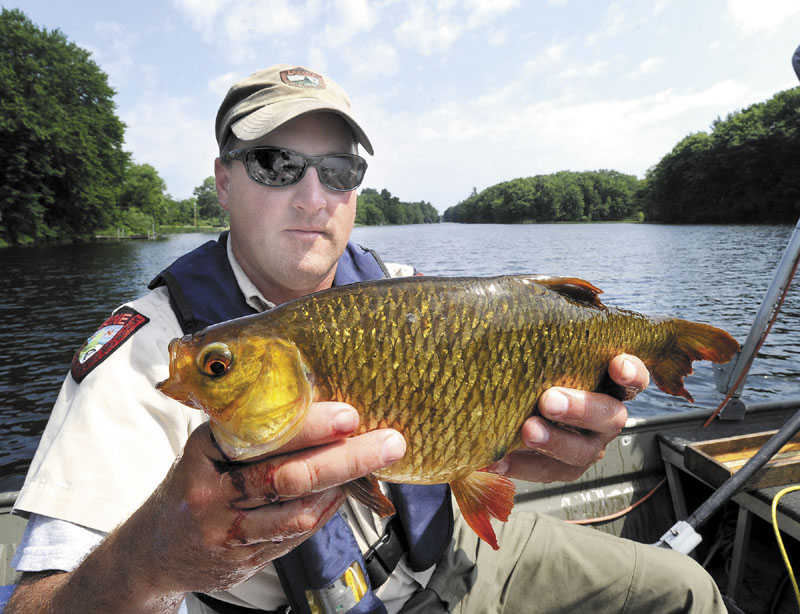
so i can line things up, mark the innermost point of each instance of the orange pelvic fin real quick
(694, 341)
(367, 492)
(481, 495)
(573, 287)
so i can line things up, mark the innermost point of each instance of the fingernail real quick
(557, 404)
(345, 421)
(628, 370)
(539, 434)
(394, 447)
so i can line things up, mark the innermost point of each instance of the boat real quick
(659, 483)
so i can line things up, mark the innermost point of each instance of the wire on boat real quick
(761, 341)
(786, 561)
(622, 512)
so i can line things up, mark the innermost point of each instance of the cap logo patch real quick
(111, 334)
(300, 77)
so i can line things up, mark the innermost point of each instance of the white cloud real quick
(220, 85)
(349, 19)
(167, 134)
(497, 38)
(749, 16)
(660, 5)
(547, 59)
(613, 23)
(628, 135)
(483, 11)
(374, 59)
(241, 23)
(648, 67)
(430, 31)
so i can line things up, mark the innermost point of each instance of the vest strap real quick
(384, 555)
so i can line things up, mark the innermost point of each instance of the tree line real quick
(380, 208)
(746, 170)
(566, 196)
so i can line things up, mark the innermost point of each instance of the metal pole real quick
(727, 375)
(682, 536)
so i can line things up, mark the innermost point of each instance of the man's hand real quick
(211, 523)
(574, 428)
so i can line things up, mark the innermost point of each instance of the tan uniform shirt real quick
(112, 438)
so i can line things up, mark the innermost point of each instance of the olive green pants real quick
(545, 566)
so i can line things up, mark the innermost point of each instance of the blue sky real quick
(453, 94)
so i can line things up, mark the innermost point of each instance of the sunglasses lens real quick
(274, 166)
(342, 172)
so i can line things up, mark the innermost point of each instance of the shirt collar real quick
(252, 295)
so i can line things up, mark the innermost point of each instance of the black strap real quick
(383, 556)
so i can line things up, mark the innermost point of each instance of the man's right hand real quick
(212, 524)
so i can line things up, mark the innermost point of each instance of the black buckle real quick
(383, 556)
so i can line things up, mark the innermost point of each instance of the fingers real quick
(630, 373)
(533, 466)
(590, 411)
(308, 471)
(284, 522)
(573, 428)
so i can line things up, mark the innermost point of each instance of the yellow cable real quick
(786, 561)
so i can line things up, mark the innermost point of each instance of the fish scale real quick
(454, 364)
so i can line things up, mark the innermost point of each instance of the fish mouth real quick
(173, 389)
(172, 386)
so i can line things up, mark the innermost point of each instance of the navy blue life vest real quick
(203, 291)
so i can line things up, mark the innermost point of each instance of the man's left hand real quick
(573, 428)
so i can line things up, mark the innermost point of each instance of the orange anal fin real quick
(367, 492)
(481, 495)
(693, 341)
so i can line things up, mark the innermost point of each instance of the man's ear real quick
(222, 178)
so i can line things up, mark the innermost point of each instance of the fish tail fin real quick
(481, 495)
(367, 492)
(692, 341)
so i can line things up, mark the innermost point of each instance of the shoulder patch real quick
(111, 334)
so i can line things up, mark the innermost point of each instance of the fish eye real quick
(215, 359)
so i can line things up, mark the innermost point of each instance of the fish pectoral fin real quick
(481, 495)
(367, 492)
(573, 287)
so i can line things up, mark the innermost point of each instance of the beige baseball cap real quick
(269, 98)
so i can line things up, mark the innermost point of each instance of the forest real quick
(64, 175)
(745, 170)
(594, 196)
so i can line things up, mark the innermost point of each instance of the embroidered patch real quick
(300, 77)
(112, 334)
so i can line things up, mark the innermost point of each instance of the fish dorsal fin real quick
(572, 287)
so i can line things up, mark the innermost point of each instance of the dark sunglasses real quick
(278, 166)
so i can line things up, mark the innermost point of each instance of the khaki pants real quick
(545, 566)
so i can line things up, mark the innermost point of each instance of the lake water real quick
(52, 298)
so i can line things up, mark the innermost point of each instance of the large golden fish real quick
(455, 364)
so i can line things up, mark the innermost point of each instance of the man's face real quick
(288, 239)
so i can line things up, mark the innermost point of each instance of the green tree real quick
(209, 210)
(61, 155)
(379, 208)
(144, 190)
(747, 169)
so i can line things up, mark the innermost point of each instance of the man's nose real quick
(310, 194)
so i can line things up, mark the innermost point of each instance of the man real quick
(250, 533)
